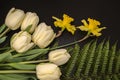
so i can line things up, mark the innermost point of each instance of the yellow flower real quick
(65, 23)
(91, 27)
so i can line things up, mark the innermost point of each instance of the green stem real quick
(10, 51)
(16, 71)
(26, 62)
(1, 35)
(29, 62)
(71, 43)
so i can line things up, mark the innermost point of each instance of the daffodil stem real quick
(16, 71)
(1, 35)
(83, 38)
(59, 33)
(69, 44)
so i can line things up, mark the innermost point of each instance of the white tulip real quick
(14, 18)
(21, 41)
(30, 19)
(48, 71)
(43, 35)
(59, 56)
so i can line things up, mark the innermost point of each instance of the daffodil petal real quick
(65, 23)
(57, 19)
(71, 28)
(91, 27)
(67, 19)
(84, 22)
(83, 28)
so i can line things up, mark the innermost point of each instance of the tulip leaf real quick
(26, 57)
(2, 28)
(17, 77)
(5, 56)
(3, 39)
(28, 28)
(23, 66)
(4, 48)
(34, 51)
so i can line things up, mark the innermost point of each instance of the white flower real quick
(48, 71)
(59, 56)
(14, 18)
(21, 41)
(30, 19)
(43, 35)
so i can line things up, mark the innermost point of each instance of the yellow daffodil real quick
(65, 23)
(91, 27)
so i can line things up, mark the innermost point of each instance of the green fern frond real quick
(81, 59)
(115, 77)
(72, 61)
(105, 57)
(117, 63)
(97, 58)
(90, 58)
(111, 59)
(94, 62)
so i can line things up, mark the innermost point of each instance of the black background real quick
(105, 11)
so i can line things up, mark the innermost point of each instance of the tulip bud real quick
(59, 56)
(48, 71)
(21, 41)
(43, 35)
(14, 18)
(30, 19)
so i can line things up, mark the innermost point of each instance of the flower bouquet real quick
(32, 54)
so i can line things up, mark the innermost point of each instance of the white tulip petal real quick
(39, 32)
(21, 41)
(43, 35)
(26, 47)
(48, 71)
(14, 18)
(30, 19)
(59, 56)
